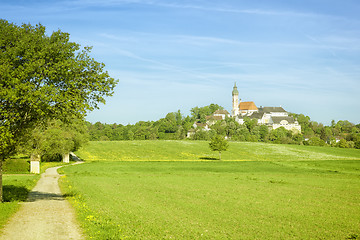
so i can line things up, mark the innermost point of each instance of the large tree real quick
(44, 77)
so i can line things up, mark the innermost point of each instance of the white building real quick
(274, 117)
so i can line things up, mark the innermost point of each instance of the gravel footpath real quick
(45, 215)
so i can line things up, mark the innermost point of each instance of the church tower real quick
(235, 101)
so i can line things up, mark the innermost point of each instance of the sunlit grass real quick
(217, 200)
(15, 190)
(199, 151)
(17, 183)
(171, 190)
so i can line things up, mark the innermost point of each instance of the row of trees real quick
(342, 134)
(173, 126)
(47, 85)
(176, 126)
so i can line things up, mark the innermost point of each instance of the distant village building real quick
(273, 117)
(247, 108)
(198, 125)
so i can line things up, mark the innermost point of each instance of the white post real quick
(66, 157)
(35, 164)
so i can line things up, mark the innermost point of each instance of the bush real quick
(342, 144)
(16, 165)
(316, 141)
(357, 145)
(201, 135)
(252, 138)
(350, 144)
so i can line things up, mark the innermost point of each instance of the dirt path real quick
(45, 215)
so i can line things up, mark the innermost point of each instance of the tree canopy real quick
(201, 112)
(44, 77)
(53, 140)
(219, 144)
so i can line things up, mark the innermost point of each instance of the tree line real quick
(175, 126)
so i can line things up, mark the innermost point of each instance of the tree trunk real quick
(1, 188)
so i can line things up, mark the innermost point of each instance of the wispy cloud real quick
(163, 66)
(234, 10)
(182, 5)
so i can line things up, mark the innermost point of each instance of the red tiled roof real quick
(247, 106)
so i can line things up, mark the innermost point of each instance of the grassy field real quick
(199, 151)
(289, 192)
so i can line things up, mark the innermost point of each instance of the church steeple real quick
(235, 101)
(235, 91)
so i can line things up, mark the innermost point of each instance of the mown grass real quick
(15, 190)
(290, 193)
(199, 151)
(216, 200)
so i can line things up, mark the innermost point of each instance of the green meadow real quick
(176, 190)
(199, 151)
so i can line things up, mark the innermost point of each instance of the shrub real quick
(316, 141)
(342, 144)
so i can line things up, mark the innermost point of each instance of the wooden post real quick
(35, 163)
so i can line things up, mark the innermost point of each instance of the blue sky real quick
(303, 55)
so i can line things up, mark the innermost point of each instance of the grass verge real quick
(15, 190)
(17, 183)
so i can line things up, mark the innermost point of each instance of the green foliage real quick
(343, 143)
(44, 77)
(253, 199)
(56, 138)
(250, 123)
(175, 127)
(316, 141)
(199, 113)
(17, 164)
(263, 132)
(218, 144)
(201, 134)
(280, 135)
